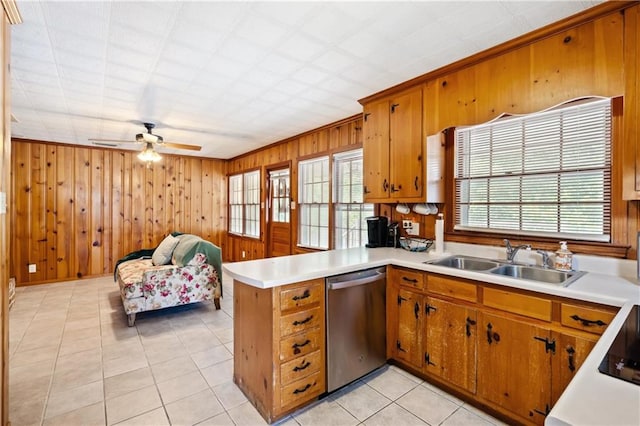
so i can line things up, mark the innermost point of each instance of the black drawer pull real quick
(411, 280)
(489, 333)
(588, 323)
(304, 321)
(302, 367)
(296, 346)
(304, 389)
(306, 294)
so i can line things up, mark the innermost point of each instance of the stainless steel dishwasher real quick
(356, 325)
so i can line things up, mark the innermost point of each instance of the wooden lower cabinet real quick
(571, 351)
(450, 341)
(279, 345)
(511, 350)
(514, 366)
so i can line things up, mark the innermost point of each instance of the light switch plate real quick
(414, 229)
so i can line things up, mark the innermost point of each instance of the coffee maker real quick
(381, 233)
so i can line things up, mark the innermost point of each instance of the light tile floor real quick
(74, 361)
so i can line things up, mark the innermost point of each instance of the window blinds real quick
(546, 174)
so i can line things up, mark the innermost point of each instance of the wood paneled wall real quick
(343, 135)
(77, 210)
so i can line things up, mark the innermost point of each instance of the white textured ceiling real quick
(235, 76)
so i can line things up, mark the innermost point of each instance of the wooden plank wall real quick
(336, 137)
(76, 210)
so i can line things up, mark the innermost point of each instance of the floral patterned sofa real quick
(187, 271)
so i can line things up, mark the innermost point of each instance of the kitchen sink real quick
(512, 270)
(549, 276)
(466, 263)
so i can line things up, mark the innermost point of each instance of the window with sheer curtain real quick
(350, 211)
(542, 174)
(244, 204)
(313, 203)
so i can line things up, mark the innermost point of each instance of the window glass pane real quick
(313, 198)
(547, 173)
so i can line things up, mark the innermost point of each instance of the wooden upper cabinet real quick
(393, 148)
(631, 134)
(376, 150)
(406, 146)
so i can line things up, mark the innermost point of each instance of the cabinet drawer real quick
(302, 390)
(408, 278)
(531, 306)
(584, 318)
(299, 321)
(301, 295)
(451, 287)
(300, 367)
(299, 344)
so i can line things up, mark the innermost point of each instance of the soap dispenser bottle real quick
(564, 258)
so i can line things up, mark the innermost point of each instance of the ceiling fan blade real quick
(181, 146)
(94, 140)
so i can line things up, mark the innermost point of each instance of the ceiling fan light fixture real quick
(149, 155)
(148, 137)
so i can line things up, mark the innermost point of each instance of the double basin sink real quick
(512, 270)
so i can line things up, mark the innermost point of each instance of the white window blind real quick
(350, 212)
(313, 203)
(544, 174)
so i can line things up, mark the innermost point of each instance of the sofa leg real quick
(132, 319)
(216, 301)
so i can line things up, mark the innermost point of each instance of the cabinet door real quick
(406, 146)
(450, 342)
(631, 141)
(376, 151)
(571, 351)
(514, 366)
(409, 340)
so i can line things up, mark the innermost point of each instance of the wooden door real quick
(450, 342)
(514, 366)
(406, 146)
(409, 338)
(376, 151)
(279, 213)
(571, 351)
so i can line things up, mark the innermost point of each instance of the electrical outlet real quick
(414, 229)
(244, 254)
(406, 223)
(32, 268)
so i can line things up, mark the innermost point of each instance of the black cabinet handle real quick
(411, 280)
(489, 333)
(304, 321)
(571, 352)
(296, 346)
(416, 183)
(304, 389)
(468, 325)
(586, 322)
(385, 185)
(306, 294)
(416, 309)
(302, 367)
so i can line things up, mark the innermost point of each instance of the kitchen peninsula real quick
(279, 331)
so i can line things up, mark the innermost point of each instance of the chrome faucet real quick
(512, 251)
(546, 260)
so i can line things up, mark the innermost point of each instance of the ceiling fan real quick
(148, 154)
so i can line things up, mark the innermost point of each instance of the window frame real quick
(248, 206)
(363, 209)
(321, 206)
(492, 236)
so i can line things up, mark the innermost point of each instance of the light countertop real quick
(591, 398)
